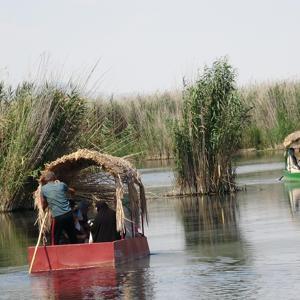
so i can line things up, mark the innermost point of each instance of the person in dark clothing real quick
(53, 194)
(104, 228)
(292, 163)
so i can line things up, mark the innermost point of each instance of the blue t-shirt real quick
(55, 194)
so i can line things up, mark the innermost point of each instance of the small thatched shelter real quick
(98, 176)
(292, 140)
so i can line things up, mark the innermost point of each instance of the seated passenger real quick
(81, 233)
(104, 228)
(80, 219)
(292, 164)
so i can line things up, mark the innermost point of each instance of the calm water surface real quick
(243, 247)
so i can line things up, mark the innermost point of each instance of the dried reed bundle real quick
(292, 140)
(41, 212)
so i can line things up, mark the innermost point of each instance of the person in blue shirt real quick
(53, 195)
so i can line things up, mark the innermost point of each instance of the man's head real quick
(47, 176)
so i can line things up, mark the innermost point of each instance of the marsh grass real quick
(41, 123)
(275, 113)
(146, 121)
(210, 132)
(37, 125)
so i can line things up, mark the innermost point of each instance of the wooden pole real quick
(38, 242)
(142, 217)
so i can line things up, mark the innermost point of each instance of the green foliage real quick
(210, 132)
(144, 120)
(105, 130)
(252, 137)
(275, 113)
(37, 125)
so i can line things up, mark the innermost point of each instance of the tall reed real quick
(147, 119)
(37, 125)
(105, 129)
(210, 132)
(275, 113)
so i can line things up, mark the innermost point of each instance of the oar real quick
(38, 242)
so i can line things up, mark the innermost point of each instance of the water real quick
(243, 247)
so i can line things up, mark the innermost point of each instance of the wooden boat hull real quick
(78, 256)
(291, 176)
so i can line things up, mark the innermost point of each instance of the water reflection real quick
(16, 234)
(129, 281)
(211, 226)
(293, 191)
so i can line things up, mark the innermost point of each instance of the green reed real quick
(37, 125)
(210, 132)
(41, 123)
(275, 113)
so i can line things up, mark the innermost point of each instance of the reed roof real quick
(292, 140)
(95, 176)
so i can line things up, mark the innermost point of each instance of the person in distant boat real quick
(104, 228)
(292, 163)
(54, 196)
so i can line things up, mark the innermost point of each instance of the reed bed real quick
(275, 113)
(34, 121)
(275, 108)
(39, 124)
(144, 120)
(210, 132)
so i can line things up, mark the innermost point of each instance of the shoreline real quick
(239, 152)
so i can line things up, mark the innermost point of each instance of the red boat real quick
(95, 176)
(78, 256)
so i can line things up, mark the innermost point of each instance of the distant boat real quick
(291, 142)
(79, 256)
(288, 176)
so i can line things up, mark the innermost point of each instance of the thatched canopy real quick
(292, 140)
(98, 176)
(81, 159)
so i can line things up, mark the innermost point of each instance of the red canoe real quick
(78, 256)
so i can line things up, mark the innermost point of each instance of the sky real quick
(140, 46)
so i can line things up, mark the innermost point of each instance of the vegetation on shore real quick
(274, 114)
(40, 123)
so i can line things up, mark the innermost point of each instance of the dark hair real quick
(291, 151)
(101, 205)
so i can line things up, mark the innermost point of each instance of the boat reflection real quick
(128, 281)
(293, 191)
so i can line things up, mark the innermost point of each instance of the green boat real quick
(291, 142)
(288, 176)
